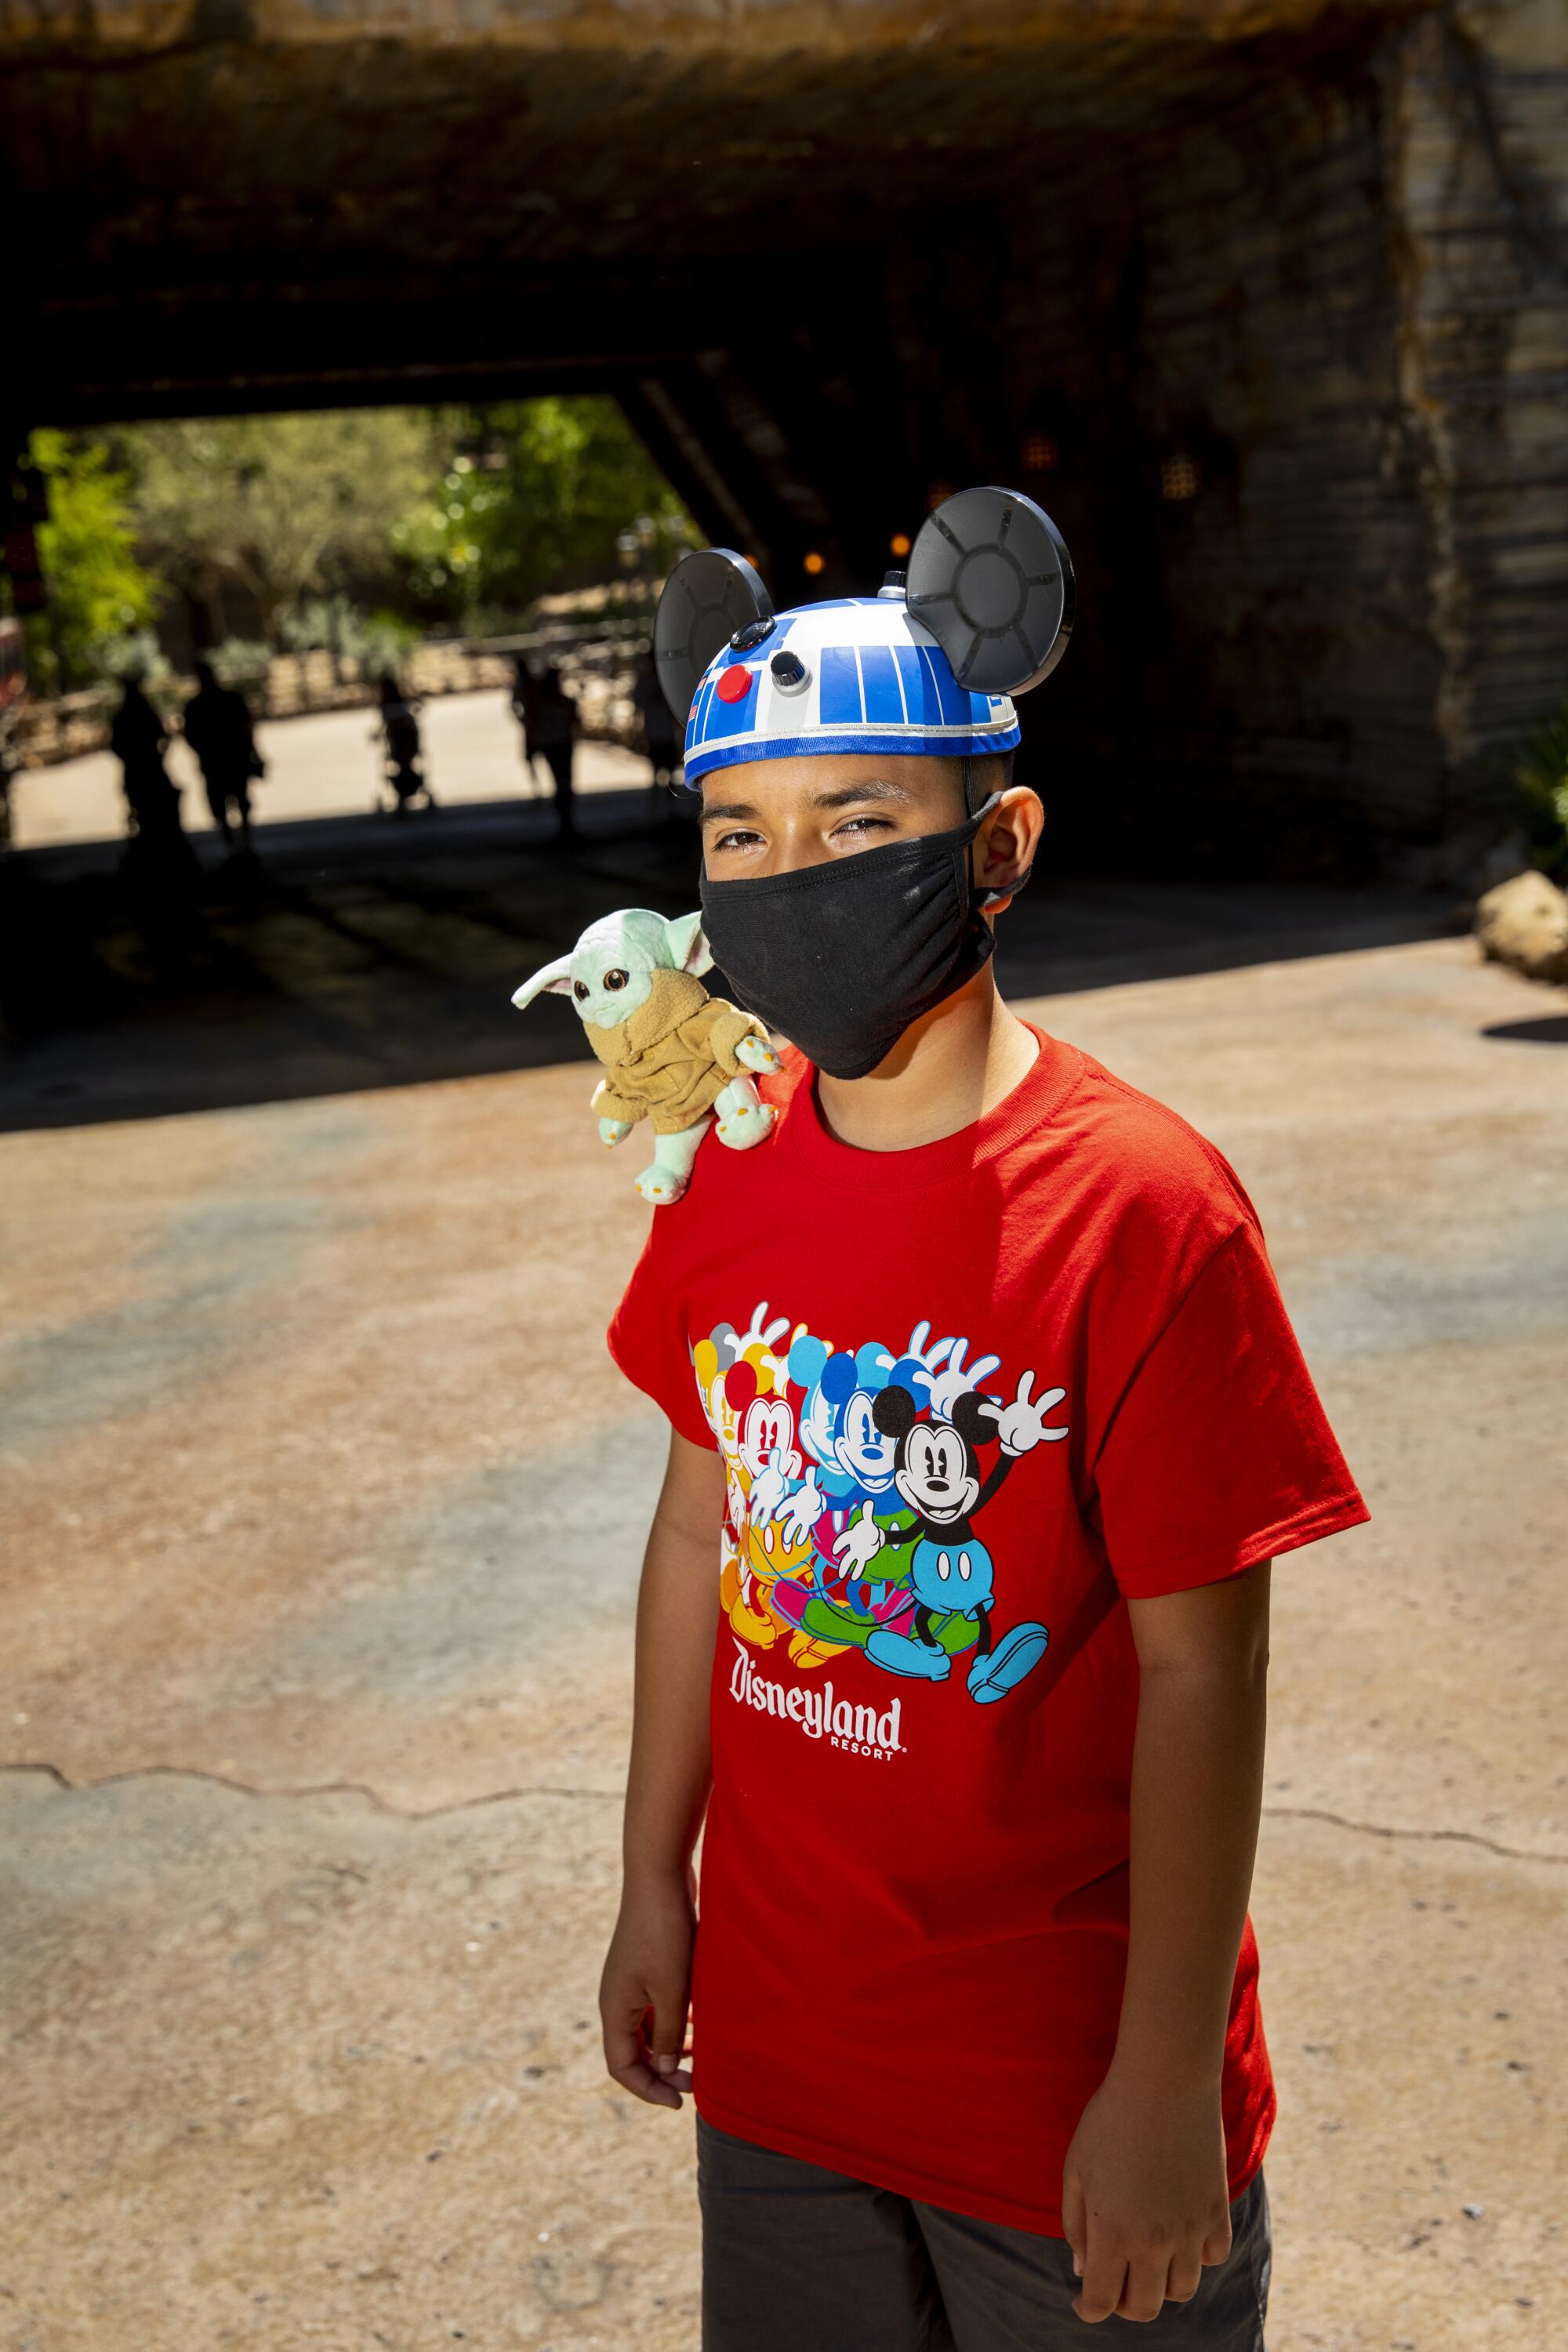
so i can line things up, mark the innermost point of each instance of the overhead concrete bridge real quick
(1266, 300)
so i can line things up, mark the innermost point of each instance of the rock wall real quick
(1298, 363)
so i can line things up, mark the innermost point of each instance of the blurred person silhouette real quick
(160, 863)
(138, 738)
(8, 767)
(659, 736)
(555, 735)
(399, 730)
(526, 685)
(217, 727)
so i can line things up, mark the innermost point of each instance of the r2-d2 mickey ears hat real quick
(928, 667)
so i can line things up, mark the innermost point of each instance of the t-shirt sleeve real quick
(647, 1340)
(1219, 1454)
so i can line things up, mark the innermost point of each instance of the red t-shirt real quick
(914, 1882)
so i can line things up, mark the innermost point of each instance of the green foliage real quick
(98, 593)
(543, 488)
(378, 641)
(241, 661)
(1540, 771)
(282, 505)
(339, 529)
(138, 655)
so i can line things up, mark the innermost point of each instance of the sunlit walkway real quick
(329, 764)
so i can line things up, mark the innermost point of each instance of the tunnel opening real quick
(1246, 301)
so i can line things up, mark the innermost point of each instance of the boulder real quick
(1524, 923)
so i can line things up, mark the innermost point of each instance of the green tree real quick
(539, 489)
(284, 505)
(97, 589)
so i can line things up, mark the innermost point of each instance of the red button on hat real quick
(734, 684)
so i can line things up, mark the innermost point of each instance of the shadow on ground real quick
(358, 951)
(1552, 1030)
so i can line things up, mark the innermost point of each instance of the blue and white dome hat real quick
(929, 667)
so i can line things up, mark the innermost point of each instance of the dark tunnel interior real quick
(1160, 278)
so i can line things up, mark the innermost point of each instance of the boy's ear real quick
(689, 951)
(551, 979)
(1006, 849)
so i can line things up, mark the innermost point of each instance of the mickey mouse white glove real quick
(800, 1512)
(857, 1546)
(770, 1488)
(1021, 1425)
(952, 1381)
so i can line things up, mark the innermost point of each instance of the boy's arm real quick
(1145, 2199)
(649, 1965)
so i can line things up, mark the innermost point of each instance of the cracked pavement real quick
(324, 1505)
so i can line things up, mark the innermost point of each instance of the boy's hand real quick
(1146, 2203)
(645, 1994)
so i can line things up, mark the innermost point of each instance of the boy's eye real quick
(738, 840)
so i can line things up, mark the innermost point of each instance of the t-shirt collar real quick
(1039, 1093)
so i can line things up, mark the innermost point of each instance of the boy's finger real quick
(667, 2062)
(627, 2059)
(1184, 2278)
(1145, 2289)
(1104, 2276)
(640, 2080)
(1216, 2245)
(666, 2028)
(1073, 2226)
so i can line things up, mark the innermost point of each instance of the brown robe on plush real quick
(670, 1058)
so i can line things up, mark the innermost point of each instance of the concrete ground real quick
(323, 1510)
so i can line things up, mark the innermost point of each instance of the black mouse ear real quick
(991, 577)
(975, 1419)
(893, 1410)
(707, 598)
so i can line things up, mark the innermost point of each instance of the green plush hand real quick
(613, 1130)
(756, 1053)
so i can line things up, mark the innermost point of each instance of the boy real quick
(981, 1388)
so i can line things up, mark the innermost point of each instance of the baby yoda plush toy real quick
(674, 1054)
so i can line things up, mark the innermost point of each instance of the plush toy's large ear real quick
(991, 577)
(689, 951)
(554, 977)
(709, 598)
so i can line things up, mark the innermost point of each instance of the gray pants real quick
(799, 2259)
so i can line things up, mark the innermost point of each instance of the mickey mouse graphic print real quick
(968, 1399)
(853, 1480)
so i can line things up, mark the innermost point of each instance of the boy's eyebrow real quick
(870, 788)
(831, 796)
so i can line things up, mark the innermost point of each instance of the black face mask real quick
(840, 958)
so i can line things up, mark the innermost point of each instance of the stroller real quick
(404, 768)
